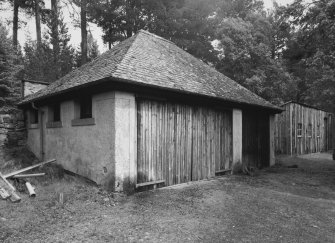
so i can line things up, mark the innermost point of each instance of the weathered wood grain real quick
(287, 139)
(178, 143)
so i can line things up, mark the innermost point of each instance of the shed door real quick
(255, 139)
(179, 143)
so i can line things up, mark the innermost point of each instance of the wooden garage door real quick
(179, 143)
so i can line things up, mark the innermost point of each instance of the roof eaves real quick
(267, 107)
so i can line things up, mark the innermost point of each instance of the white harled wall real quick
(103, 152)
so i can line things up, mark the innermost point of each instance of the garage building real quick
(147, 113)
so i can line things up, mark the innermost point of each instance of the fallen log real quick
(28, 168)
(28, 175)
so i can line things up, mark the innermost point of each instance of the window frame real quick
(33, 119)
(85, 107)
(56, 115)
(309, 132)
(299, 130)
(54, 121)
(81, 106)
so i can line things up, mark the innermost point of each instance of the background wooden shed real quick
(303, 129)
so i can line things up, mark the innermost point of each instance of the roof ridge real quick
(134, 37)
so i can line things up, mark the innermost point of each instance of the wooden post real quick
(41, 134)
(237, 140)
(290, 132)
(272, 140)
(333, 133)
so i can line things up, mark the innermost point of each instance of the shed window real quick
(33, 116)
(299, 130)
(83, 112)
(309, 130)
(55, 113)
(85, 107)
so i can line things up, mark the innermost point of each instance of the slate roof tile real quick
(151, 60)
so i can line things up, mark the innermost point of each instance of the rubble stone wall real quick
(12, 129)
(12, 123)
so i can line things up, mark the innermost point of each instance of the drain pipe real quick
(41, 130)
(33, 105)
(333, 133)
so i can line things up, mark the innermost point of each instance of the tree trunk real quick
(55, 35)
(333, 133)
(38, 24)
(130, 24)
(83, 6)
(129, 33)
(15, 22)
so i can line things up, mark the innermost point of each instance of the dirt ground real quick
(279, 204)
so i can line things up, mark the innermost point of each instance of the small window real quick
(83, 112)
(299, 130)
(54, 116)
(85, 107)
(309, 130)
(55, 110)
(33, 116)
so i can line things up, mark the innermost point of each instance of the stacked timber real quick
(7, 190)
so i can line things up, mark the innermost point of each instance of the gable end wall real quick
(287, 139)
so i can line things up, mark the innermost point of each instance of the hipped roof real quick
(150, 60)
